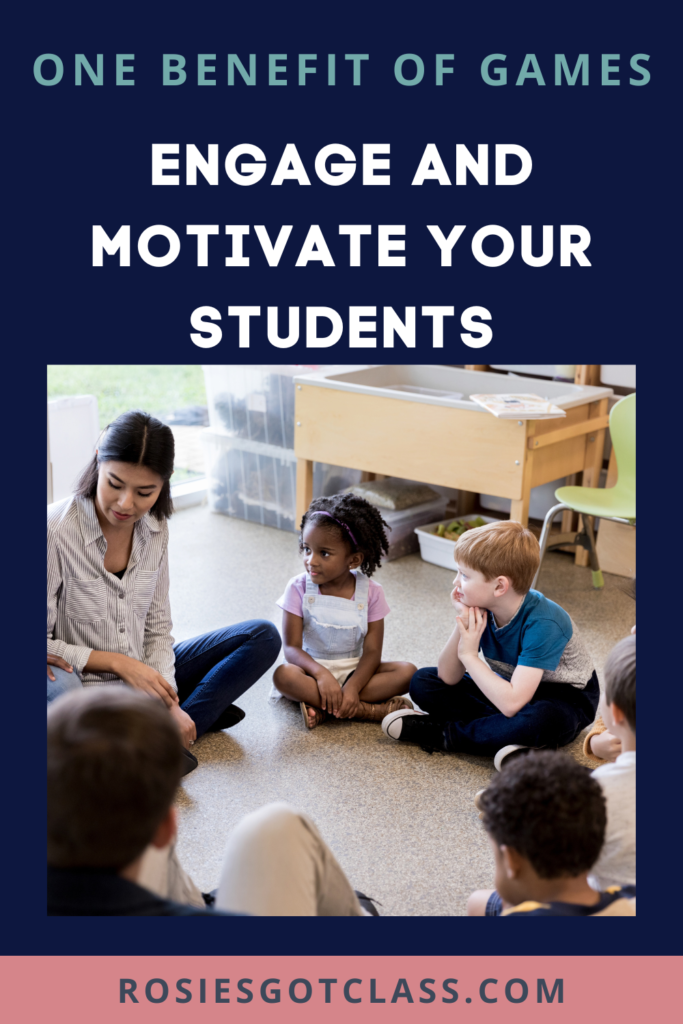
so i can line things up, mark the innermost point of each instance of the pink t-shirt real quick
(293, 598)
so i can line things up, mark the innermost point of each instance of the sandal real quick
(376, 712)
(311, 721)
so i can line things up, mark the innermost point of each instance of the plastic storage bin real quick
(438, 550)
(255, 403)
(541, 500)
(257, 482)
(402, 538)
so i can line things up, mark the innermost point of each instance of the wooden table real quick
(437, 444)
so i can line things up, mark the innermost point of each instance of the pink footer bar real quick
(311, 988)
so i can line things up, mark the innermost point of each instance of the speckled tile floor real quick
(401, 822)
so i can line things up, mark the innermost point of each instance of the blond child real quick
(536, 686)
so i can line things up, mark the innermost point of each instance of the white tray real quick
(438, 550)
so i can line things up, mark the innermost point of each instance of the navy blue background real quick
(602, 158)
(597, 151)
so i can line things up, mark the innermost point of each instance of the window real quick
(174, 394)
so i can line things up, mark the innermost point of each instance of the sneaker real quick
(415, 727)
(477, 802)
(368, 904)
(506, 753)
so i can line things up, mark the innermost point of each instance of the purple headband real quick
(321, 513)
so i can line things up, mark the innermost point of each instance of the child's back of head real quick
(620, 679)
(550, 810)
(617, 862)
(114, 760)
(504, 548)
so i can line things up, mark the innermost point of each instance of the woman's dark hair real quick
(142, 440)
(355, 516)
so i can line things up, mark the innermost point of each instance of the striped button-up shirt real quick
(90, 609)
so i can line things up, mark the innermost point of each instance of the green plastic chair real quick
(617, 503)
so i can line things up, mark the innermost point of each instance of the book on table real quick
(519, 407)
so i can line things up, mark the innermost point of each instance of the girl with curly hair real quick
(333, 618)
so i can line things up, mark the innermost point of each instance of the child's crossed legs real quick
(391, 679)
(472, 724)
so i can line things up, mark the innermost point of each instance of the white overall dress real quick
(335, 627)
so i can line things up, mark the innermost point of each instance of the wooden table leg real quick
(595, 448)
(588, 375)
(467, 502)
(569, 518)
(304, 487)
(366, 476)
(519, 507)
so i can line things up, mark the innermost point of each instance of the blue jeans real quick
(554, 716)
(211, 671)
(62, 683)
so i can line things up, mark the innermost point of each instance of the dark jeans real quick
(554, 716)
(213, 670)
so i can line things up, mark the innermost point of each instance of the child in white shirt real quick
(617, 862)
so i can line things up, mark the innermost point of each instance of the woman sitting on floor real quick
(108, 611)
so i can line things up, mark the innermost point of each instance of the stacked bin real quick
(252, 403)
(251, 465)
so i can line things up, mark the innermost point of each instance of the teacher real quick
(108, 611)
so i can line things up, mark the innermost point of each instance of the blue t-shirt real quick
(540, 635)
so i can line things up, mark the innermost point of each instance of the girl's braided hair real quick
(362, 519)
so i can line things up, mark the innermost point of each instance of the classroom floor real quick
(401, 822)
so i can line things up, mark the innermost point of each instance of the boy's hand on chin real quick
(472, 624)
